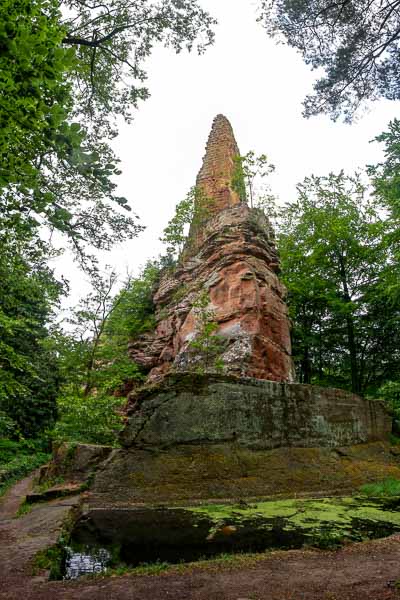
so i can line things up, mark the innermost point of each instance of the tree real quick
(356, 43)
(97, 372)
(52, 173)
(190, 213)
(95, 354)
(35, 96)
(206, 348)
(64, 80)
(249, 169)
(334, 256)
(386, 183)
(248, 181)
(29, 375)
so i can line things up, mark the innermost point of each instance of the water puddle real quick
(86, 561)
(104, 538)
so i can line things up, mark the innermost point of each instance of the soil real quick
(366, 571)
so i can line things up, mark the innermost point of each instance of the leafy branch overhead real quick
(113, 40)
(356, 44)
(66, 73)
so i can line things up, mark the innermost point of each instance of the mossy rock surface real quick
(186, 408)
(192, 474)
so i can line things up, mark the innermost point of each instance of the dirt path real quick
(365, 571)
(21, 538)
(13, 498)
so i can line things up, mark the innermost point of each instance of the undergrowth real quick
(18, 459)
(50, 559)
(386, 488)
(159, 567)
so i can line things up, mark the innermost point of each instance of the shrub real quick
(18, 459)
(388, 487)
(92, 419)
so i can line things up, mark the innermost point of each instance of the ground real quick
(366, 571)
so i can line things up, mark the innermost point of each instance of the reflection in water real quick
(86, 562)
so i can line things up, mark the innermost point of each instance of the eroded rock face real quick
(237, 267)
(232, 259)
(216, 173)
(258, 415)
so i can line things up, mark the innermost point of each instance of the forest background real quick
(69, 73)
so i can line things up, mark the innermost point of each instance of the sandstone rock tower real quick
(196, 434)
(215, 176)
(231, 260)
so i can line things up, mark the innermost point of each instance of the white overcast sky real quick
(259, 86)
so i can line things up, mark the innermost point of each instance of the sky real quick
(259, 86)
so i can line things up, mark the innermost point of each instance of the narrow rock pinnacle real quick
(215, 176)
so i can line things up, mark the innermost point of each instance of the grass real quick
(50, 560)
(157, 568)
(384, 489)
(24, 509)
(49, 483)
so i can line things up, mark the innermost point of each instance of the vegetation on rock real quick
(207, 346)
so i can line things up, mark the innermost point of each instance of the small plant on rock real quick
(190, 214)
(207, 346)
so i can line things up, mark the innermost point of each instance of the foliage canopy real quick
(335, 258)
(355, 42)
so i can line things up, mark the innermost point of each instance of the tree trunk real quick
(306, 366)
(351, 338)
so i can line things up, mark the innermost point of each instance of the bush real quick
(93, 419)
(18, 459)
(388, 487)
(8, 427)
(390, 393)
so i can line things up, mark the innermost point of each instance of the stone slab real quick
(255, 414)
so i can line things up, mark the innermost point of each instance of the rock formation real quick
(194, 437)
(187, 408)
(231, 260)
(215, 176)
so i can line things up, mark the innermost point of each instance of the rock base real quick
(261, 415)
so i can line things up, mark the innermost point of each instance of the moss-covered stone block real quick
(187, 408)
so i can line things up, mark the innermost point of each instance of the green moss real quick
(318, 519)
(50, 559)
(180, 293)
(144, 569)
(24, 509)
(49, 483)
(221, 561)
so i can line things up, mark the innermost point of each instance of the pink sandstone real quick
(233, 259)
